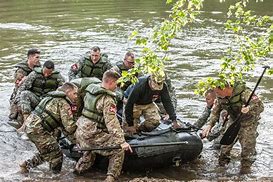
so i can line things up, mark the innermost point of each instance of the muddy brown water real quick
(65, 29)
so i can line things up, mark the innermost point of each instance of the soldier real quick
(141, 101)
(37, 84)
(233, 99)
(123, 66)
(93, 64)
(203, 119)
(22, 70)
(99, 126)
(53, 112)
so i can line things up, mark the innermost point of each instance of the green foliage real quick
(156, 44)
(252, 45)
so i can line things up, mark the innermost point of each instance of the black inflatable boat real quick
(160, 148)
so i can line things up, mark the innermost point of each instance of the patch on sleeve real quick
(74, 108)
(75, 67)
(113, 108)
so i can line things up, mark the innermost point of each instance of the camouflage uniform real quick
(86, 68)
(52, 113)
(103, 131)
(151, 115)
(21, 71)
(249, 122)
(35, 87)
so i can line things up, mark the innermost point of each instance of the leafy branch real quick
(156, 44)
(253, 36)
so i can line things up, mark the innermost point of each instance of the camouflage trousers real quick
(116, 158)
(46, 144)
(28, 101)
(97, 137)
(13, 106)
(150, 114)
(247, 138)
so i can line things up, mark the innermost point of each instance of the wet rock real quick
(146, 179)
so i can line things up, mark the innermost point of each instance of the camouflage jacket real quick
(88, 130)
(60, 108)
(255, 106)
(22, 70)
(31, 78)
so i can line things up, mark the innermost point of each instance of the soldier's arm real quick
(134, 95)
(74, 70)
(172, 93)
(201, 121)
(27, 84)
(66, 116)
(19, 74)
(109, 109)
(255, 105)
(167, 103)
(215, 113)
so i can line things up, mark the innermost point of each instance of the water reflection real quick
(65, 29)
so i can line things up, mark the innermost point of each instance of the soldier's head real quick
(109, 79)
(224, 91)
(156, 80)
(48, 68)
(95, 54)
(33, 57)
(129, 60)
(210, 97)
(71, 91)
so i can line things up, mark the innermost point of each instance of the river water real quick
(65, 29)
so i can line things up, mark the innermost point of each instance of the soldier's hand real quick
(176, 125)
(245, 109)
(166, 117)
(206, 131)
(21, 81)
(126, 146)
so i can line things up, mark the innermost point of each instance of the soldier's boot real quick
(14, 124)
(223, 160)
(31, 163)
(17, 122)
(84, 163)
(245, 166)
(109, 178)
(24, 167)
(146, 127)
(13, 111)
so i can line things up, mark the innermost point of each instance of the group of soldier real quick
(86, 110)
(224, 107)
